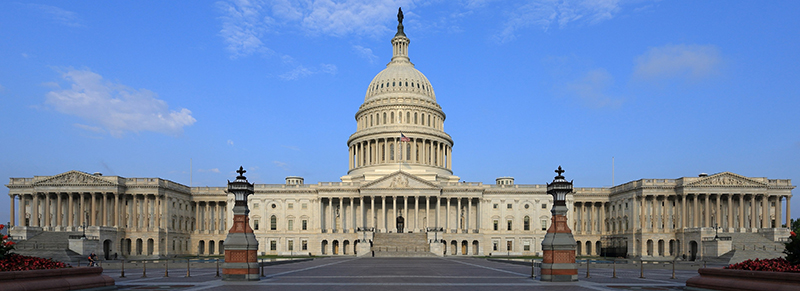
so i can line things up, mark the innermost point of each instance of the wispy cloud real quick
(693, 62)
(301, 71)
(365, 53)
(546, 13)
(230, 142)
(281, 165)
(59, 15)
(246, 23)
(294, 148)
(115, 107)
(214, 170)
(592, 90)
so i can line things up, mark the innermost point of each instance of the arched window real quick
(384, 118)
(370, 120)
(400, 117)
(429, 120)
(408, 151)
(273, 223)
(391, 120)
(526, 223)
(408, 117)
(415, 118)
(391, 152)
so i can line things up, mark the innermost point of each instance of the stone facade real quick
(399, 164)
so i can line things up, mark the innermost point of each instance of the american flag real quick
(404, 138)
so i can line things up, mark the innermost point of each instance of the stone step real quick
(401, 245)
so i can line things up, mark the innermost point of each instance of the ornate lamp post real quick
(558, 264)
(241, 262)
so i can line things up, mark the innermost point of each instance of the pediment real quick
(73, 178)
(400, 180)
(726, 179)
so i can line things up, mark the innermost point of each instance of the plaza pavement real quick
(349, 273)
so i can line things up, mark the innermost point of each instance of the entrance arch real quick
(475, 248)
(324, 247)
(335, 247)
(107, 249)
(400, 224)
(464, 248)
(692, 250)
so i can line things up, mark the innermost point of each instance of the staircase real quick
(752, 246)
(401, 245)
(49, 245)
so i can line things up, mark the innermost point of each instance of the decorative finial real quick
(400, 22)
(560, 171)
(241, 171)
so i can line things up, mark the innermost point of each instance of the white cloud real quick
(61, 16)
(96, 129)
(365, 53)
(246, 22)
(592, 89)
(115, 107)
(24, 55)
(214, 170)
(545, 13)
(281, 165)
(230, 142)
(301, 71)
(694, 62)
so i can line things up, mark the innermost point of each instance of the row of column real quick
(590, 217)
(392, 150)
(210, 216)
(90, 209)
(452, 214)
(710, 210)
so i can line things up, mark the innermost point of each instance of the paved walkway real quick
(401, 274)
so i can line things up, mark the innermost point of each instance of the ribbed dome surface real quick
(400, 78)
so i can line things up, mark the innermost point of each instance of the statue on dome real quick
(400, 15)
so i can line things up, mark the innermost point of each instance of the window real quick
(290, 224)
(544, 206)
(526, 246)
(304, 206)
(255, 205)
(509, 245)
(391, 152)
(255, 224)
(305, 224)
(303, 245)
(544, 224)
(495, 206)
(494, 245)
(273, 223)
(509, 206)
(509, 224)
(526, 223)
(527, 206)
(290, 206)
(290, 245)
(495, 223)
(273, 245)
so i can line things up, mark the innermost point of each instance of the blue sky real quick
(140, 88)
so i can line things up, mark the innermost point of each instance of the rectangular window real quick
(544, 206)
(304, 205)
(304, 245)
(496, 224)
(508, 206)
(305, 224)
(290, 245)
(290, 225)
(526, 246)
(509, 224)
(255, 224)
(290, 206)
(494, 245)
(255, 205)
(273, 245)
(544, 224)
(509, 245)
(495, 206)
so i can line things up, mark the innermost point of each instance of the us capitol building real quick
(400, 180)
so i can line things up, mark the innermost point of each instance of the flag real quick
(404, 138)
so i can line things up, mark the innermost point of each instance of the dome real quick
(400, 78)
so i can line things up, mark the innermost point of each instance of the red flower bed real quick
(15, 262)
(770, 265)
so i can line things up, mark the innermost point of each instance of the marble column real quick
(765, 211)
(469, 214)
(59, 211)
(459, 223)
(741, 210)
(438, 203)
(46, 210)
(372, 214)
(394, 214)
(718, 213)
(788, 211)
(642, 210)
(707, 206)
(427, 212)
(730, 211)
(35, 209)
(416, 213)
(447, 215)
(384, 212)
(352, 213)
(11, 222)
(21, 211)
(753, 212)
(363, 211)
(683, 212)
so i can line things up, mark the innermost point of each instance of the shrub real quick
(792, 250)
(15, 262)
(771, 265)
(5, 245)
